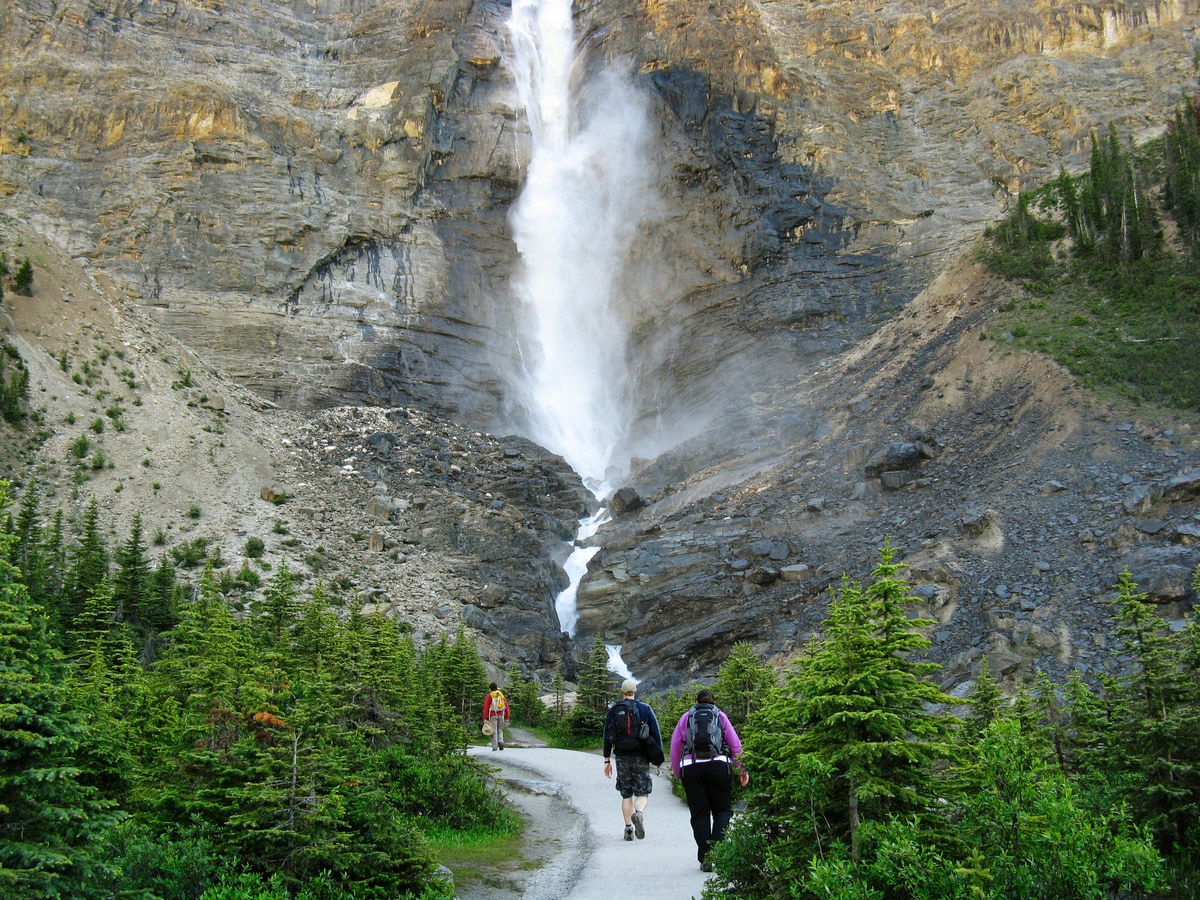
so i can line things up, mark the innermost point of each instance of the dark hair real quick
(492, 686)
(705, 696)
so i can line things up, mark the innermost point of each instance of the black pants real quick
(709, 789)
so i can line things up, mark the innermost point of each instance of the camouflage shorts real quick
(633, 776)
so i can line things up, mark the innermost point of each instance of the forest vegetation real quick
(868, 782)
(159, 742)
(1108, 263)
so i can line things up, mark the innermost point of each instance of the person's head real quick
(628, 687)
(492, 687)
(705, 696)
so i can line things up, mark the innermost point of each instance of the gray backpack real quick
(704, 738)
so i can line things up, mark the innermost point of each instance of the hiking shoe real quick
(629, 832)
(705, 867)
(501, 745)
(638, 828)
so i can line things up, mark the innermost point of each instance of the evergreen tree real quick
(1086, 730)
(596, 683)
(857, 707)
(48, 819)
(23, 279)
(523, 697)
(464, 679)
(1155, 728)
(744, 683)
(1031, 835)
(279, 605)
(132, 583)
(315, 636)
(89, 564)
(1069, 200)
(985, 698)
(97, 627)
(14, 385)
(1181, 166)
(28, 555)
(558, 689)
(164, 598)
(53, 559)
(433, 722)
(1116, 202)
(105, 688)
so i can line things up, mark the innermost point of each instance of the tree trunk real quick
(855, 850)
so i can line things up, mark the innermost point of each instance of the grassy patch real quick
(1133, 331)
(473, 855)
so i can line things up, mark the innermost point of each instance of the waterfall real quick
(588, 189)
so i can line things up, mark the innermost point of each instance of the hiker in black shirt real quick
(631, 734)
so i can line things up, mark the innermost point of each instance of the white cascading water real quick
(587, 191)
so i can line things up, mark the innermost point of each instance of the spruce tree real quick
(23, 279)
(27, 531)
(132, 583)
(986, 700)
(1181, 165)
(278, 612)
(1155, 730)
(744, 683)
(54, 565)
(595, 685)
(89, 564)
(464, 679)
(49, 820)
(315, 636)
(858, 707)
(165, 596)
(523, 697)
(1030, 833)
(558, 689)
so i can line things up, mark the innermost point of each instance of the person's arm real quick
(607, 741)
(677, 745)
(734, 743)
(487, 706)
(655, 731)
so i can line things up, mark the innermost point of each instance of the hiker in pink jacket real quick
(704, 751)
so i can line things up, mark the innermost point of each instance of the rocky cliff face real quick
(313, 197)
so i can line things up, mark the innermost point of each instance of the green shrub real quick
(190, 554)
(23, 280)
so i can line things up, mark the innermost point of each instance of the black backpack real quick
(704, 738)
(627, 727)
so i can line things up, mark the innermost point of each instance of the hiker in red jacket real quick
(495, 711)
